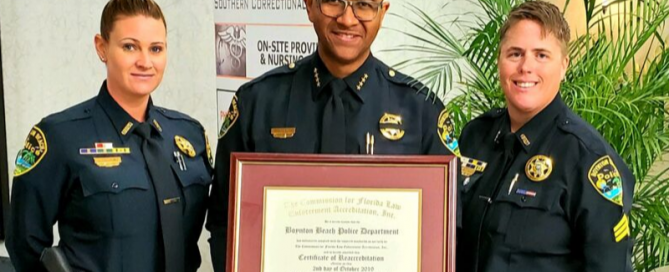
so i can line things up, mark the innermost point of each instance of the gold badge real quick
(107, 162)
(446, 131)
(606, 179)
(538, 168)
(230, 118)
(391, 126)
(283, 133)
(185, 146)
(33, 152)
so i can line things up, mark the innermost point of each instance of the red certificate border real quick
(251, 172)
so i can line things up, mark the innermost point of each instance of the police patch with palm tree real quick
(446, 131)
(32, 153)
(230, 118)
(606, 179)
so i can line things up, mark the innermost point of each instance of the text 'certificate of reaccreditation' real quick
(341, 229)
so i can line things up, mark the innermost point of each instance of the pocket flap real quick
(529, 194)
(195, 172)
(468, 182)
(112, 180)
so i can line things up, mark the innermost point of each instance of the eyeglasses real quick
(364, 10)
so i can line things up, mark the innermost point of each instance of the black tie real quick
(169, 200)
(333, 137)
(509, 148)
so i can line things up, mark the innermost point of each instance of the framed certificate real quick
(305, 213)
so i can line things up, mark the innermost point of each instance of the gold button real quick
(391, 73)
(291, 65)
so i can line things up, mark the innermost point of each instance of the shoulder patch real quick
(584, 132)
(446, 132)
(230, 118)
(32, 153)
(281, 70)
(606, 179)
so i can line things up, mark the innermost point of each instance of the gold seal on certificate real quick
(341, 229)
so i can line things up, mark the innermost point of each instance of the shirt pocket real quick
(118, 201)
(295, 144)
(404, 146)
(194, 180)
(194, 173)
(536, 224)
(112, 181)
(469, 182)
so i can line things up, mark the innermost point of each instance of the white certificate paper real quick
(341, 229)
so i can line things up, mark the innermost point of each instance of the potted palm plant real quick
(618, 81)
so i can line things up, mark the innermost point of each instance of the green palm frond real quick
(618, 81)
(649, 218)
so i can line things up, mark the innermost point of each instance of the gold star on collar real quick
(362, 81)
(317, 78)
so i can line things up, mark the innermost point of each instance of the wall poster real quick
(254, 36)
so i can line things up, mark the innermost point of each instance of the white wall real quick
(49, 62)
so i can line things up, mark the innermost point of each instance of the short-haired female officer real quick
(542, 190)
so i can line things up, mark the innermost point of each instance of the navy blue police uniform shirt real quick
(282, 112)
(553, 196)
(84, 169)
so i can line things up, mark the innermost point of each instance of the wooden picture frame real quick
(256, 217)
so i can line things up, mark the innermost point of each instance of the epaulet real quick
(485, 118)
(76, 112)
(493, 113)
(584, 132)
(290, 68)
(397, 77)
(175, 115)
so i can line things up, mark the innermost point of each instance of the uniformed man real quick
(340, 100)
(542, 190)
(125, 180)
